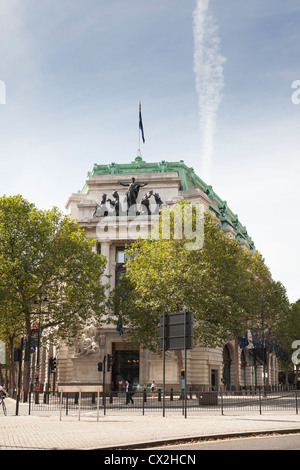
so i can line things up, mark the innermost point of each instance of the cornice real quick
(175, 173)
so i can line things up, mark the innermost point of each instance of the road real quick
(277, 442)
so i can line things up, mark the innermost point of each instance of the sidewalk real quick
(127, 428)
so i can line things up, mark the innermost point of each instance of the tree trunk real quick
(236, 364)
(12, 378)
(26, 368)
(287, 374)
(295, 375)
(267, 379)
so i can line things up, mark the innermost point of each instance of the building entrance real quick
(126, 367)
(226, 366)
(214, 379)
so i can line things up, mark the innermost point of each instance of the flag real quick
(280, 353)
(243, 340)
(257, 339)
(141, 123)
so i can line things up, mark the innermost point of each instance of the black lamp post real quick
(263, 333)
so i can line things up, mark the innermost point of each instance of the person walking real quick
(129, 393)
(152, 388)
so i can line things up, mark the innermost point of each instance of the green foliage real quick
(220, 282)
(45, 254)
(287, 330)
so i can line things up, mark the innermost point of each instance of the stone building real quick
(107, 187)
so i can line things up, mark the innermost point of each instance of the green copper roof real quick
(186, 174)
(189, 180)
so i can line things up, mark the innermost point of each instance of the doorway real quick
(226, 366)
(214, 379)
(126, 367)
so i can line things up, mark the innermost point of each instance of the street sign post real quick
(176, 332)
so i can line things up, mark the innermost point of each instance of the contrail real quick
(208, 68)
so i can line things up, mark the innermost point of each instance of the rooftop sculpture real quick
(115, 207)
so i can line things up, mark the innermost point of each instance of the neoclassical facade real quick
(104, 209)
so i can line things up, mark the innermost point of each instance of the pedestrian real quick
(2, 390)
(152, 388)
(129, 393)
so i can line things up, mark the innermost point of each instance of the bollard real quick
(159, 394)
(171, 394)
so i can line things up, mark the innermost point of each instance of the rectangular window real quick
(122, 257)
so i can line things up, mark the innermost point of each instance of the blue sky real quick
(76, 71)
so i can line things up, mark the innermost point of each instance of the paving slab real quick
(128, 428)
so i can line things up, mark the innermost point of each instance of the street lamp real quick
(263, 332)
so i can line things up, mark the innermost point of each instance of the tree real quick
(219, 282)
(272, 309)
(11, 329)
(286, 331)
(45, 254)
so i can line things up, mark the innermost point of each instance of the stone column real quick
(113, 267)
(105, 251)
(260, 375)
(248, 375)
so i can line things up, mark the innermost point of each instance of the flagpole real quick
(139, 148)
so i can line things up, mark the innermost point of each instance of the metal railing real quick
(197, 402)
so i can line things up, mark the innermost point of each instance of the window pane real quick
(122, 257)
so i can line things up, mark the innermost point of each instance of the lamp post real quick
(263, 332)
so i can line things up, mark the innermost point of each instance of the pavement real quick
(129, 429)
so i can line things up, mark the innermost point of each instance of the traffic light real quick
(17, 354)
(109, 362)
(30, 344)
(18, 350)
(100, 366)
(34, 338)
(182, 388)
(52, 364)
(182, 379)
